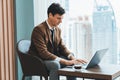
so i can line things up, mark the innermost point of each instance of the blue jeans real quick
(53, 66)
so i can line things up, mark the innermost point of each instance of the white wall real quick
(40, 10)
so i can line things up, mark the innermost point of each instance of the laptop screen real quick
(96, 58)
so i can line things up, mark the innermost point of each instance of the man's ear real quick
(50, 15)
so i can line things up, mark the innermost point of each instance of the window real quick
(90, 26)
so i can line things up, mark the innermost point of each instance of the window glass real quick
(89, 26)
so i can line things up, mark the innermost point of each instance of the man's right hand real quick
(72, 62)
(67, 62)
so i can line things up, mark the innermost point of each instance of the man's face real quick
(56, 19)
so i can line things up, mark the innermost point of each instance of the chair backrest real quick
(23, 46)
(31, 65)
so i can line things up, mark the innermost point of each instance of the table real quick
(104, 72)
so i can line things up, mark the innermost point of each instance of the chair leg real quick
(23, 78)
(46, 77)
(40, 77)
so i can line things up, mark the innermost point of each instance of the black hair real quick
(55, 8)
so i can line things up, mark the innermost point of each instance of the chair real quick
(31, 65)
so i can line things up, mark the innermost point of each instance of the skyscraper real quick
(104, 29)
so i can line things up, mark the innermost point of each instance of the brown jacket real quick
(41, 43)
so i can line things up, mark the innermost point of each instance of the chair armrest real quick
(33, 64)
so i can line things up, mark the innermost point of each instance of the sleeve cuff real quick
(70, 55)
(58, 59)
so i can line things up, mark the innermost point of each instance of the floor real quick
(61, 78)
(64, 78)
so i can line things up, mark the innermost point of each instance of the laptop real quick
(95, 60)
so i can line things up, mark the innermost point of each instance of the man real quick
(47, 44)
